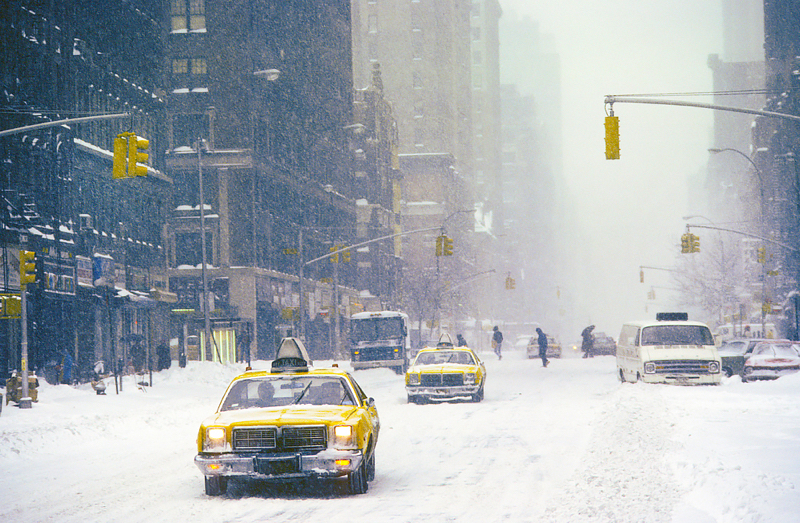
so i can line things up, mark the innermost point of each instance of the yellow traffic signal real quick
(27, 267)
(120, 156)
(440, 244)
(335, 257)
(346, 256)
(762, 255)
(136, 158)
(612, 138)
(510, 283)
(694, 243)
(686, 244)
(447, 247)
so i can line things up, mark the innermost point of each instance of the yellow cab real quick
(445, 372)
(291, 422)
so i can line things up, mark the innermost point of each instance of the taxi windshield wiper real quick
(302, 394)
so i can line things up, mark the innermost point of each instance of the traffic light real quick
(686, 244)
(641, 275)
(346, 256)
(694, 243)
(136, 158)
(440, 244)
(612, 138)
(761, 255)
(447, 247)
(120, 156)
(335, 257)
(510, 283)
(27, 267)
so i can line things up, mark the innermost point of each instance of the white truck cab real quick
(670, 349)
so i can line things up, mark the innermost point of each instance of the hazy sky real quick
(628, 211)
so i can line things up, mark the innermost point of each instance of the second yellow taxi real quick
(445, 372)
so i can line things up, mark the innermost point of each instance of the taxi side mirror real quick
(371, 402)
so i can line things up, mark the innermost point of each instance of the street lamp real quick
(201, 145)
(758, 172)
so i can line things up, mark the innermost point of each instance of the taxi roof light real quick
(292, 356)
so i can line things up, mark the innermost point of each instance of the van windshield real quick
(677, 335)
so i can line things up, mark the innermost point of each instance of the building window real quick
(188, 14)
(416, 81)
(416, 48)
(419, 109)
(476, 8)
(180, 66)
(477, 57)
(372, 24)
(477, 81)
(372, 50)
(419, 137)
(199, 67)
(476, 34)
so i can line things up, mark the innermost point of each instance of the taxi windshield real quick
(445, 356)
(278, 391)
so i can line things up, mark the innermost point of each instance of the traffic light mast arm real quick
(355, 245)
(785, 246)
(612, 99)
(45, 125)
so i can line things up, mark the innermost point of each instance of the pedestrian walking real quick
(460, 341)
(497, 342)
(542, 346)
(587, 346)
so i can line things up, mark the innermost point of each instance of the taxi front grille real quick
(682, 367)
(288, 438)
(438, 380)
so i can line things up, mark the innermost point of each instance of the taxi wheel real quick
(371, 467)
(357, 480)
(216, 485)
(478, 397)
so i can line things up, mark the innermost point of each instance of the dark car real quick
(604, 344)
(735, 351)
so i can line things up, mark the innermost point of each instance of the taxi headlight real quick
(470, 377)
(649, 367)
(713, 367)
(413, 379)
(215, 439)
(343, 435)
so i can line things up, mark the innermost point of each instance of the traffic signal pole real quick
(25, 401)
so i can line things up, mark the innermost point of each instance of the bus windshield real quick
(374, 329)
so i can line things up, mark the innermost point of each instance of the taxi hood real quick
(290, 414)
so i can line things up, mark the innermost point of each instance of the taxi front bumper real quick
(443, 392)
(327, 463)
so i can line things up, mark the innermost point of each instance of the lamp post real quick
(757, 171)
(201, 144)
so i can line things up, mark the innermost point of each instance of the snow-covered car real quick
(553, 347)
(445, 372)
(290, 422)
(522, 340)
(735, 351)
(771, 360)
(604, 344)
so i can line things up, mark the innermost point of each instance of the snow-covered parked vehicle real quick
(288, 423)
(671, 349)
(771, 360)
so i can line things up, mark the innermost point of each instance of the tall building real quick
(260, 101)
(100, 293)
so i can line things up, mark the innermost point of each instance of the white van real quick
(671, 349)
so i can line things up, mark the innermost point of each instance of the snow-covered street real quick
(565, 443)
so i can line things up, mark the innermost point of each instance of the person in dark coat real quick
(164, 359)
(542, 346)
(497, 342)
(588, 342)
(460, 341)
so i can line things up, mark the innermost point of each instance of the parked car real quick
(553, 347)
(445, 372)
(735, 351)
(289, 423)
(604, 344)
(771, 360)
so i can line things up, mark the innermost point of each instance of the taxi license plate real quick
(277, 466)
(442, 391)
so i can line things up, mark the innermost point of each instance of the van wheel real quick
(621, 376)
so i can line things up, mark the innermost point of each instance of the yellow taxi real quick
(445, 372)
(290, 422)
